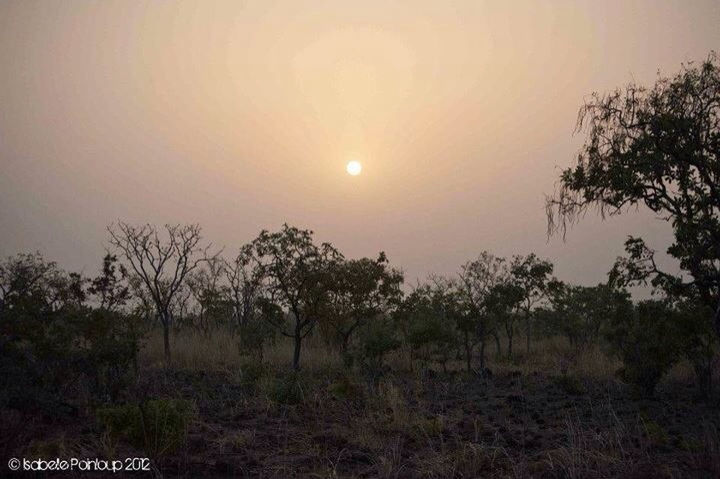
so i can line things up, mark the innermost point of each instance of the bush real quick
(254, 336)
(286, 389)
(648, 342)
(251, 372)
(569, 384)
(344, 388)
(375, 341)
(55, 350)
(156, 426)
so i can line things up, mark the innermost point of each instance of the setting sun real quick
(354, 168)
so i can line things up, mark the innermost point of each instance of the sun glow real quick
(354, 168)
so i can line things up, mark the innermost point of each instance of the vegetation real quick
(291, 334)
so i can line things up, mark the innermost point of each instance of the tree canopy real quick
(658, 147)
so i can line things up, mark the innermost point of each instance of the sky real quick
(241, 115)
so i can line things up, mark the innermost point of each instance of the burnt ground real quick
(413, 425)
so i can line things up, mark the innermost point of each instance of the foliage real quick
(648, 342)
(254, 336)
(569, 384)
(359, 291)
(377, 338)
(296, 277)
(427, 317)
(212, 307)
(54, 345)
(530, 276)
(251, 373)
(581, 313)
(157, 426)
(657, 147)
(244, 281)
(345, 388)
(474, 319)
(287, 389)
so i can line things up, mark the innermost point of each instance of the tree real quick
(112, 290)
(658, 147)
(503, 302)
(360, 289)
(648, 341)
(427, 316)
(161, 263)
(52, 339)
(245, 278)
(532, 276)
(209, 294)
(296, 277)
(581, 312)
(476, 280)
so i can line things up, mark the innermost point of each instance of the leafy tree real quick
(376, 339)
(427, 316)
(160, 263)
(210, 296)
(648, 342)
(111, 288)
(296, 277)
(658, 147)
(477, 278)
(581, 313)
(260, 329)
(531, 276)
(52, 342)
(503, 302)
(244, 277)
(699, 341)
(360, 290)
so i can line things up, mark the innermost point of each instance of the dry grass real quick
(219, 351)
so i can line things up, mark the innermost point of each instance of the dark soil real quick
(432, 425)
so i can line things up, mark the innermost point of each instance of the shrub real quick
(376, 340)
(156, 426)
(648, 342)
(53, 346)
(344, 388)
(254, 336)
(569, 384)
(251, 372)
(286, 389)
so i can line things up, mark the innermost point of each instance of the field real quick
(521, 418)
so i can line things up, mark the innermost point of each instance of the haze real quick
(242, 116)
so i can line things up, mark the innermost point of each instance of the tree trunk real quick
(482, 355)
(527, 333)
(498, 348)
(510, 343)
(166, 339)
(298, 345)
(468, 352)
(345, 342)
(717, 319)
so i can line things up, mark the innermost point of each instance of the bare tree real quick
(161, 262)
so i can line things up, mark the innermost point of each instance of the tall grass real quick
(219, 351)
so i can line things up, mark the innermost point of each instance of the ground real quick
(331, 423)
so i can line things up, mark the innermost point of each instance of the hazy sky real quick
(241, 115)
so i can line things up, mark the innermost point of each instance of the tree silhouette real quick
(160, 263)
(658, 147)
(296, 274)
